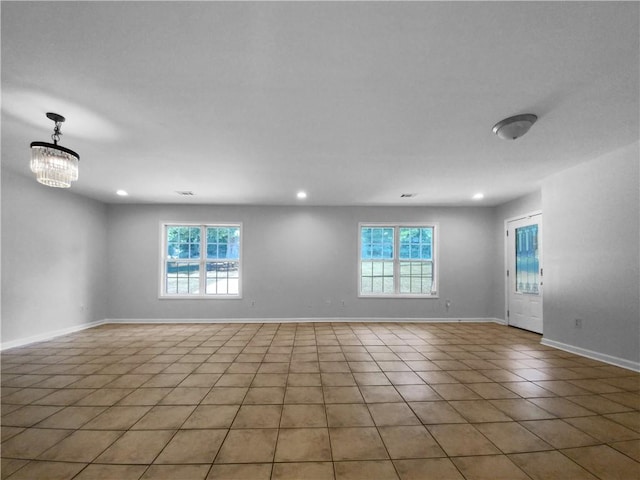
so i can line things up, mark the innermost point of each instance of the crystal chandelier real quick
(54, 165)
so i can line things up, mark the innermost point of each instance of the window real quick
(397, 260)
(201, 261)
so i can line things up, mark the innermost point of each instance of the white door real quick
(524, 273)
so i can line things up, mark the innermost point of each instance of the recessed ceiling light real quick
(122, 193)
(478, 196)
(301, 195)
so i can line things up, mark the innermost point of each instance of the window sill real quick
(420, 296)
(200, 297)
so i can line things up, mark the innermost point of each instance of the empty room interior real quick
(320, 240)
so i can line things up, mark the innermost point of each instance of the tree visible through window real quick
(201, 260)
(397, 260)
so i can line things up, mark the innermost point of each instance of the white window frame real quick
(396, 259)
(202, 262)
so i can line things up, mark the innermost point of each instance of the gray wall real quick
(591, 217)
(299, 262)
(519, 206)
(68, 261)
(54, 258)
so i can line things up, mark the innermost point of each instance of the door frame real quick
(506, 260)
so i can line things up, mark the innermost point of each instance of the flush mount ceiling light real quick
(54, 166)
(514, 127)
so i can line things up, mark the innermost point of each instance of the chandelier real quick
(54, 165)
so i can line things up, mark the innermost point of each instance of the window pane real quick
(223, 243)
(194, 234)
(388, 285)
(366, 284)
(194, 250)
(527, 260)
(416, 243)
(376, 243)
(183, 234)
(233, 249)
(365, 235)
(183, 242)
(416, 277)
(173, 250)
(222, 278)
(213, 235)
(377, 268)
(427, 284)
(376, 277)
(182, 278)
(367, 268)
(171, 277)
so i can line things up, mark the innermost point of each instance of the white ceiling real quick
(356, 103)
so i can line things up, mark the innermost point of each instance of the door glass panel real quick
(527, 260)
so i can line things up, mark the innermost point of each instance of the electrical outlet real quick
(578, 323)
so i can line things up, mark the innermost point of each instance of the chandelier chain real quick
(56, 133)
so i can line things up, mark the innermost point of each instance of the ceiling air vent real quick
(408, 195)
(185, 193)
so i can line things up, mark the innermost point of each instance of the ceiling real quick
(354, 102)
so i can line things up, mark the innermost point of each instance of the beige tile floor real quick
(339, 401)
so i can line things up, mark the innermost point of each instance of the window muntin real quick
(397, 260)
(201, 261)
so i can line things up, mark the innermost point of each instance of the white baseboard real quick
(304, 320)
(602, 357)
(49, 335)
(151, 321)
